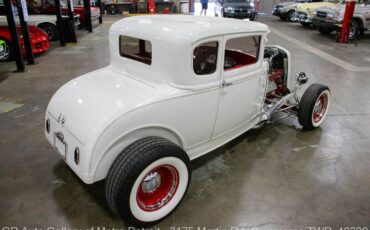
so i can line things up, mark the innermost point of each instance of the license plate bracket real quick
(60, 145)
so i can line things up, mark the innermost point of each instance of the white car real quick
(177, 87)
(45, 22)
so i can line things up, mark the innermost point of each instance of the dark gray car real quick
(235, 9)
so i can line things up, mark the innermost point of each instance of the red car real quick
(48, 7)
(39, 42)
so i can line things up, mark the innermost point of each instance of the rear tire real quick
(313, 106)
(147, 181)
(51, 30)
(354, 30)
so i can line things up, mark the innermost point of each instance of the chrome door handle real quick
(225, 84)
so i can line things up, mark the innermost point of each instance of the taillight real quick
(47, 125)
(77, 155)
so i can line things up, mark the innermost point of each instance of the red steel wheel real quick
(157, 188)
(320, 108)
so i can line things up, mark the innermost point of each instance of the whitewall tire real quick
(314, 106)
(147, 181)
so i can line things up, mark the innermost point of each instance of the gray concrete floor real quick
(274, 177)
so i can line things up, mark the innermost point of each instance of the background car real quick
(43, 21)
(39, 42)
(48, 7)
(235, 9)
(328, 19)
(305, 11)
(286, 10)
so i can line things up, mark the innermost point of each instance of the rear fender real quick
(105, 160)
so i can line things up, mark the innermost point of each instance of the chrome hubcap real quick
(318, 106)
(151, 182)
(319, 109)
(157, 188)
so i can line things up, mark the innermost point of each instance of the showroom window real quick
(135, 49)
(205, 58)
(242, 51)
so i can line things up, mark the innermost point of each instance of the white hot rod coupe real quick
(177, 87)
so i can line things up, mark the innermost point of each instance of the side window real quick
(135, 49)
(241, 52)
(205, 58)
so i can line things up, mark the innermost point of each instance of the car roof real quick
(172, 28)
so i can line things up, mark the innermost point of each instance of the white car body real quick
(106, 110)
(189, 85)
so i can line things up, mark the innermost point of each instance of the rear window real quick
(205, 58)
(135, 49)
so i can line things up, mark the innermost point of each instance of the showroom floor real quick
(277, 176)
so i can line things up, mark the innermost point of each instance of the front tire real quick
(314, 106)
(290, 16)
(147, 181)
(112, 10)
(6, 50)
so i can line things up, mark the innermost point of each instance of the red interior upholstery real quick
(241, 59)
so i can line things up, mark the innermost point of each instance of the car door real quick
(243, 83)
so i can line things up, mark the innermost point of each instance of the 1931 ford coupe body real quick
(177, 87)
